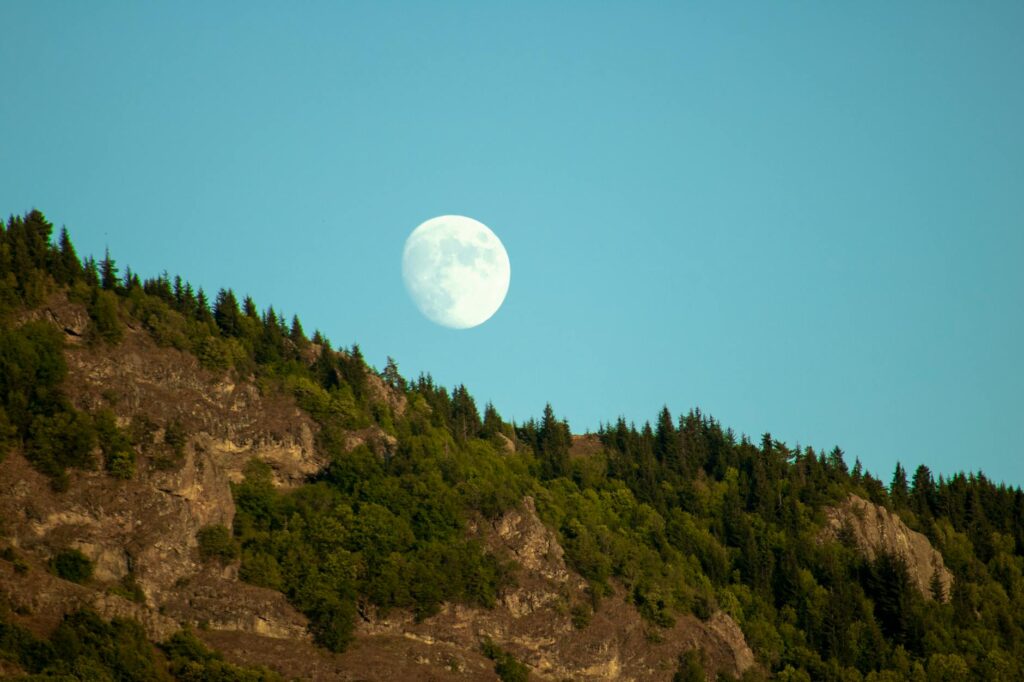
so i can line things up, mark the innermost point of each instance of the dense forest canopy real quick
(681, 515)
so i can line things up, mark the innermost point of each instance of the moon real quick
(456, 270)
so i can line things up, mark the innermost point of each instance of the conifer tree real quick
(250, 310)
(898, 489)
(858, 471)
(492, 421)
(554, 441)
(226, 313)
(464, 415)
(68, 268)
(391, 375)
(667, 445)
(108, 272)
(296, 334)
(90, 273)
(923, 492)
(202, 307)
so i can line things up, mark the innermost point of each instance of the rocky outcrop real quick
(69, 318)
(533, 620)
(145, 528)
(228, 422)
(877, 530)
(42, 599)
(200, 601)
(195, 432)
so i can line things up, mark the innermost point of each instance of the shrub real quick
(106, 324)
(118, 454)
(70, 564)
(505, 664)
(216, 545)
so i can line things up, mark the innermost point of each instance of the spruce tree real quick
(667, 445)
(898, 489)
(108, 272)
(295, 333)
(226, 313)
(68, 269)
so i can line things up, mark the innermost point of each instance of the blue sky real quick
(806, 218)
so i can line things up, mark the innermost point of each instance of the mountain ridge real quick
(210, 466)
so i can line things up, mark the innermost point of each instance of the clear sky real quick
(805, 218)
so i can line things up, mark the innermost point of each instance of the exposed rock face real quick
(44, 599)
(382, 393)
(145, 528)
(876, 530)
(69, 318)
(201, 602)
(533, 621)
(227, 422)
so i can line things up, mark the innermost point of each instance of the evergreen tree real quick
(202, 307)
(898, 489)
(554, 440)
(90, 272)
(295, 333)
(667, 445)
(68, 269)
(923, 492)
(226, 313)
(392, 377)
(493, 423)
(250, 310)
(108, 272)
(464, 416)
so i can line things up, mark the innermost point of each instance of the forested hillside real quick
(678, 517)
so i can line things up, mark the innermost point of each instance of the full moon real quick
(456, 270)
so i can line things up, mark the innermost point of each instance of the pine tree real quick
(108, 272)
(202, 307)
(68, 269)
(90, 273)
(667, 445)
(554, 442)
(464, 415)
(392, 377)
(837, 464)
(296, 333)
(493, 423)
(935, 587)
(898, 490)
(250, 310)
(226, 313)
(923, 492)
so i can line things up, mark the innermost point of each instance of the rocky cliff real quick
(534, 620)
(195, 431)
(875, 530)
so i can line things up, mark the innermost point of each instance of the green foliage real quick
(189, 660)
(130, 589)
(106, 323)
(71, 564)
(691, 667)
(505, 664)
(681, 516)
(216, 545)
(118, 453)
(33, 408)
(86, 647)
(17, 563)
(367, 528)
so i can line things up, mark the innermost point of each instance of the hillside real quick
(246, 501)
